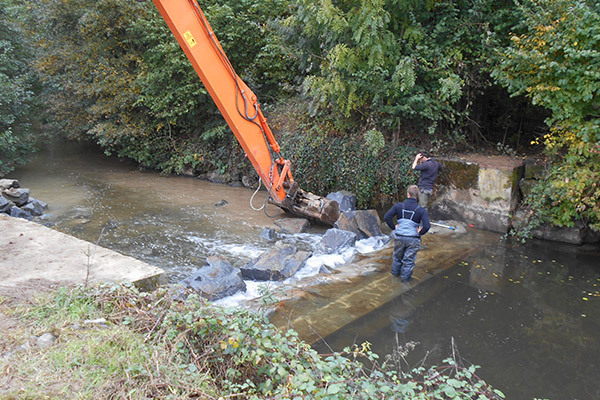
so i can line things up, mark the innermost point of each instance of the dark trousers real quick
(405, 253)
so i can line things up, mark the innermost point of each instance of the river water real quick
(529, 315)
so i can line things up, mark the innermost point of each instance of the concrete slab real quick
(31, 252)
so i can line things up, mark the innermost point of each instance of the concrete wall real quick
(486, 191)
(479, 190)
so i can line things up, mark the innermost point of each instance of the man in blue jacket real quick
(412, 223)
(429, 170)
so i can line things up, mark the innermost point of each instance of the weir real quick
(488, 192)
(320, 305)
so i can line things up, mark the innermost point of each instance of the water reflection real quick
(529, 315)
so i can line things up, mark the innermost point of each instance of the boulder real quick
(365, 223)
(249, 182)
(276, 265)
(35, 207)
(9, 183)
(268, 234)
(335, 240)
(345, 199)
(19, 196)
(17, 212)
(292, 225)
(216, 279)
(216, 177)
(5, 205)
(189, 171)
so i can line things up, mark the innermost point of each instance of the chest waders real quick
(406, 244)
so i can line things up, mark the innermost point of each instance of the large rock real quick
(35, 207)
(5, 205)
(345, 199)
(17, 212)
(9, 183)
(276, 265)
(335, 240)
(216, 177)
(292, 225)
(19, 196)
(365, 223)
(216, 279)
(269, 234)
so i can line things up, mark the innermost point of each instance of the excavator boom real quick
(240, 108)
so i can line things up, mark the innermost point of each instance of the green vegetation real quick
(148, 345)
(16, 83)
(353, 88)
(556, 62)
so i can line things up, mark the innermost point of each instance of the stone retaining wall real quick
(486, 192)
(481, 191)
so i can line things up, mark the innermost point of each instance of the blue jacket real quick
(409, 216)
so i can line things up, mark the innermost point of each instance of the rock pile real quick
(16, 201)
(218, 278)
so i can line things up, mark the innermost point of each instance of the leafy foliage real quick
(375, 170)
(16, 92)
(158, 347)
(400, 65)
(116, 74)
(556, 63)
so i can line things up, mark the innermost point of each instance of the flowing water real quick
(528, 315)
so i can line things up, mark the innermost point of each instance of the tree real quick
(116, 74)
(555, 61)
(16, 85)
(400, 65)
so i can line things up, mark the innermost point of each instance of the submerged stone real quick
(335, 240)
(292, 225)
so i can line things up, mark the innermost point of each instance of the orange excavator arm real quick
(240, 108)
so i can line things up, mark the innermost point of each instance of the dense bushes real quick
(115, 73)
(389, 75)
(16, 92)
(555, 61)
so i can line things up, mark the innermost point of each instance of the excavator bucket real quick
(309, 205)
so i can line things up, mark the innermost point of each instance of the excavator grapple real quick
(311, 206)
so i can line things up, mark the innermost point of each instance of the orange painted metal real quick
(236, 101)
(239, 106)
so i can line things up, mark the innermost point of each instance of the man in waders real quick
(412, 223)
